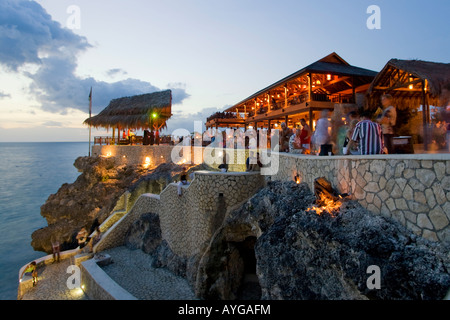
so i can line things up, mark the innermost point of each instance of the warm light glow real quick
(107, 155)
(410, 87)
(154, 115)
(78, 291)
(329, 205)
(318, 82)
(328, 77)
(147, 162)
(297, 179)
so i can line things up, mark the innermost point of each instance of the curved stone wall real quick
(189, 221)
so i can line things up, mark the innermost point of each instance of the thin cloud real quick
(4, 95)
(116, 72)
(52, 124)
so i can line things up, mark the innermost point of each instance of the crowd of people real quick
(356, 134)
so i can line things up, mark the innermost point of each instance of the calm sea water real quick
(29, 174)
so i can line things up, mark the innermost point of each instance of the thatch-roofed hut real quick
(408, 81)
(145, 111)
(415, 85)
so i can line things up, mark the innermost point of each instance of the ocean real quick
(29, 173)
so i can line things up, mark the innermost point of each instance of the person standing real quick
(284, 137)
(445, 103)
(388, 120)
(322, 135)
(368, 134)
(305, 136)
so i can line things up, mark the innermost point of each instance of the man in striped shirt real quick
(368, 134)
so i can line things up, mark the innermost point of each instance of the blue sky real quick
(211, 53)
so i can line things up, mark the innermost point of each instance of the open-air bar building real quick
(329, 83)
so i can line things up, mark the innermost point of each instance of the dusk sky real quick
(212, 54)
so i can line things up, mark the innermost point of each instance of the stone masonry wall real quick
(189, 221)
(136, 154)
(157, 155)
(414, 189)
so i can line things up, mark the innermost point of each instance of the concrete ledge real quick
(79, 258)
(229, 173)
(99, 286)
(415, 156)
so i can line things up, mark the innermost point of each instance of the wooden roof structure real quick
(331, 64)
(413, 84)
(409, 82)
(150, 110)
(313, 88)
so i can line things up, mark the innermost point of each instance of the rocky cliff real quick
(273, 247)
(93, 196)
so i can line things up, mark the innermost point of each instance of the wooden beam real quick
(398, 86)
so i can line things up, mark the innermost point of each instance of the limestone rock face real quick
(93, 196)
(299, 254)
(304, 255)
(144, 234)
(273, 247)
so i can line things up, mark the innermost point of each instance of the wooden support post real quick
(353, 90)
(285, 95)
(424, 118)
(310, 87)
(113, 134)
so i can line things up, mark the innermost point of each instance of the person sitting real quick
(295, 142)
(253, 164)
(224, 165)
(183, 181)
(82, 238)
(31, 270)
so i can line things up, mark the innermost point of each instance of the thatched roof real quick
(135, 111)
(397, 75)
